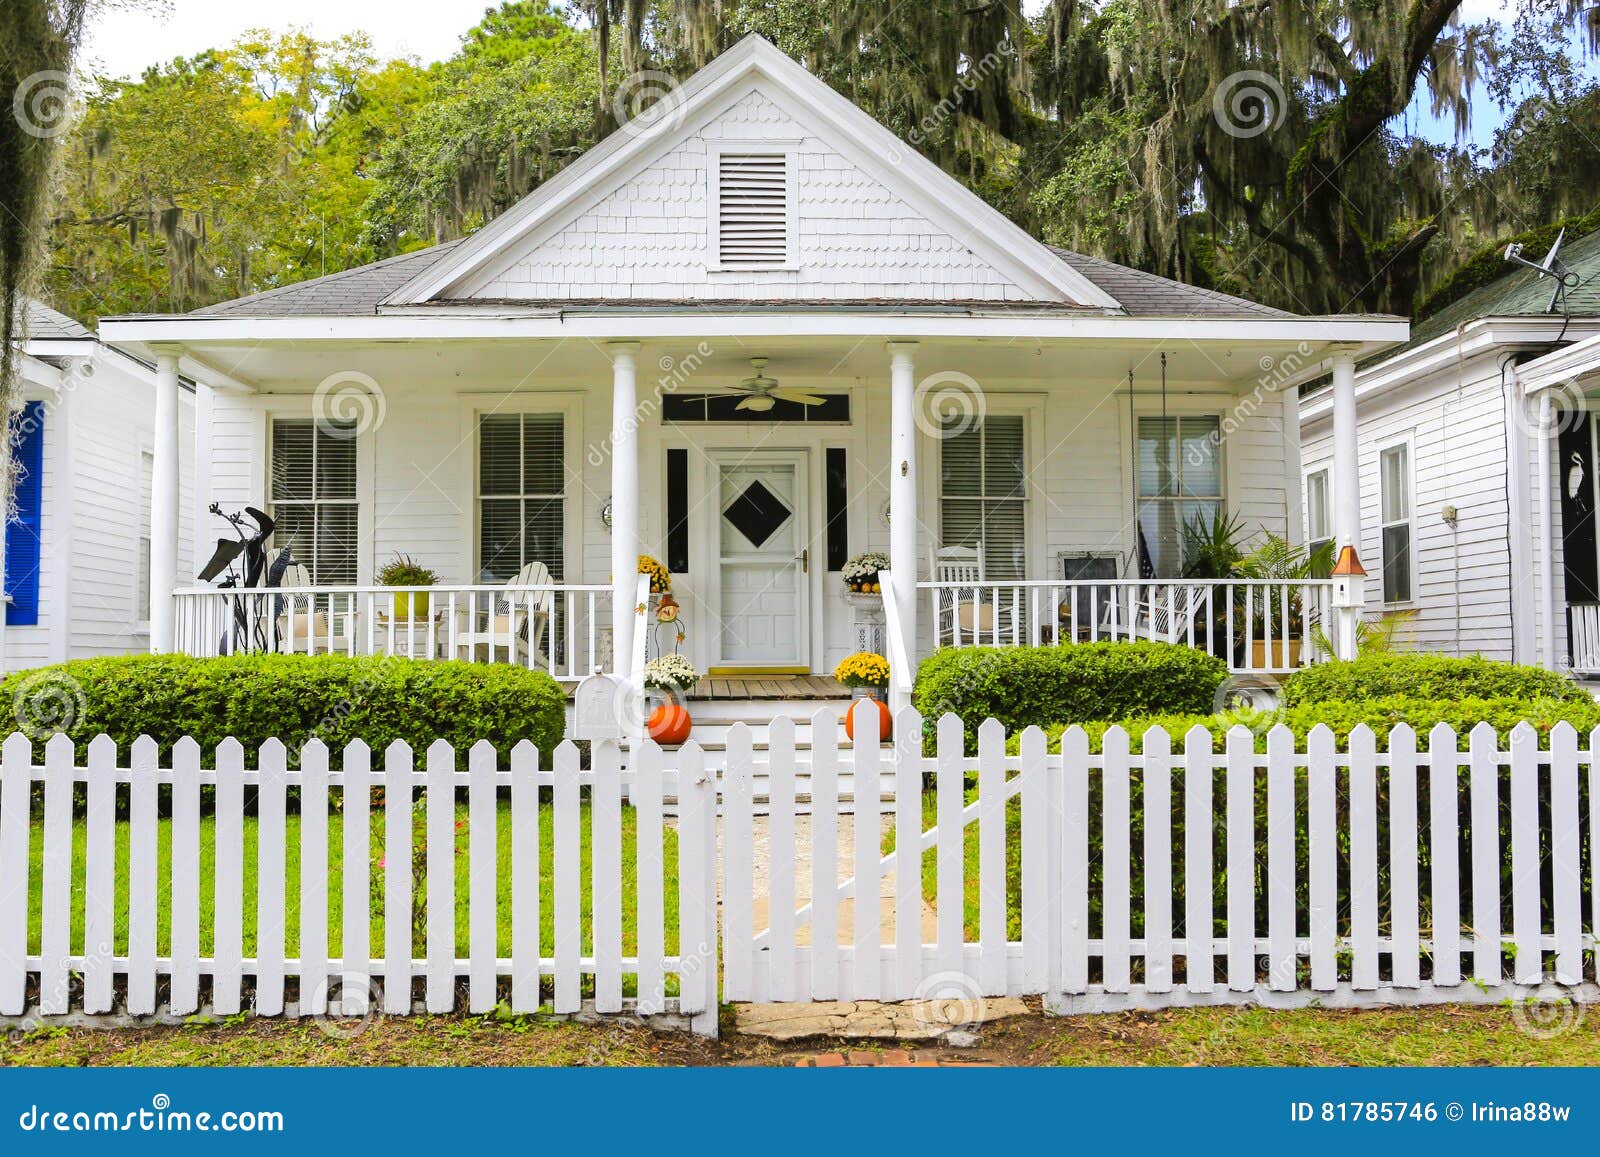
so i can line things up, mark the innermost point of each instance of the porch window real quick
(1180, 483)
(313, 493)
(1394, 482)
(1319, 514)
(521, 494)
(983, 496)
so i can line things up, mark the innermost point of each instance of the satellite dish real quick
(1551, 266)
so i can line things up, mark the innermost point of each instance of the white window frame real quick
(301, 409)
(141, 581)
(1407, 443)
(1311, 537)
(1181, 410)
(1030, 408)
(789, 151)
(577, 496)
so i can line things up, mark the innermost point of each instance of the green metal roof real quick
(1523, 293)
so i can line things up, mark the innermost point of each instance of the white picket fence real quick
(95, 956)
(1176, 875)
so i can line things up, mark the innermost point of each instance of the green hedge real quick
(1422, 676)
(1343, 717)
(1024, 686)
(293, 698)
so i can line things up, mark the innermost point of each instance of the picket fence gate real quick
(1104, 879)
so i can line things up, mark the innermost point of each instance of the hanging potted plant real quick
(670, 677)
(867, 676)
(401, 571)
(860, 573)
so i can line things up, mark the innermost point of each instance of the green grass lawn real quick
(336, 884)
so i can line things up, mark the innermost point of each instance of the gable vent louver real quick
(753, 209)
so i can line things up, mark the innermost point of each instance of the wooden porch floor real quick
(744, 687)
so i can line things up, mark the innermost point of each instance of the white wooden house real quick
(564, 388)
(1478, 470)
(77, 551)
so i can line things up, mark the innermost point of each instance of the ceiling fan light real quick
(759, 403)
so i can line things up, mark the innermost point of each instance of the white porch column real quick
(164, 504)
(624, 501)
(904, 522)
(1346, 482)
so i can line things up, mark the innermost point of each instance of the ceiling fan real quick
(762, 392)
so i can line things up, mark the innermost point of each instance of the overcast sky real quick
(124, 42)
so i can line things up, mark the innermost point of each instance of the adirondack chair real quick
(505, 627)
(961, 615)
(303, 629)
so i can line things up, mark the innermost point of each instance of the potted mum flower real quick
(670, 676)
(660, 576)
(867, 675)
(860, 573)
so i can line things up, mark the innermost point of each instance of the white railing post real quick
(901, 672)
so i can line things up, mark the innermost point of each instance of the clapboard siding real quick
(1455, 420)
(96, 424)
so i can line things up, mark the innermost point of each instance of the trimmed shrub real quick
(293, 698)
(1422, 676)
(1343, 717)
(1024, 686)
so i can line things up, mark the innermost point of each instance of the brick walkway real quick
(890, 1059)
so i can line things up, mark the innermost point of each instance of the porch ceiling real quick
(692, 364)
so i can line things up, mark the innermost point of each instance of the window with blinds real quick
(313, 495)
(521, 494)
(1180, 484)
(983, 495)
(752, 210)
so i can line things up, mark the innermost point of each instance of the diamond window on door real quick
(757, 513)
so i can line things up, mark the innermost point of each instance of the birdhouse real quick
(1349, 578)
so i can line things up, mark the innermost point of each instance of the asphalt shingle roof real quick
(1523, 293)
(352, 293)
(43, 323)
(358, 292)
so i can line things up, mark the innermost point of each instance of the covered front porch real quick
(1030, 480)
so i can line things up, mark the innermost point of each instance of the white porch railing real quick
(1583, 637)
(561, 628)
(1258, 626)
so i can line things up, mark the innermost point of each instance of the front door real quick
(762, 561)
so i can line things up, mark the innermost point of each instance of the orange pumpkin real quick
(669, 724)
(885, 719)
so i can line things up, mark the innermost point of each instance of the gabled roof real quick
(41, 323)
(922, 184)
(1522, 293)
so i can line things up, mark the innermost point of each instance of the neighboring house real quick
(77, 551)
(564, 388)
(1456, 430)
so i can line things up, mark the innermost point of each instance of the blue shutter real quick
(23, 532)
